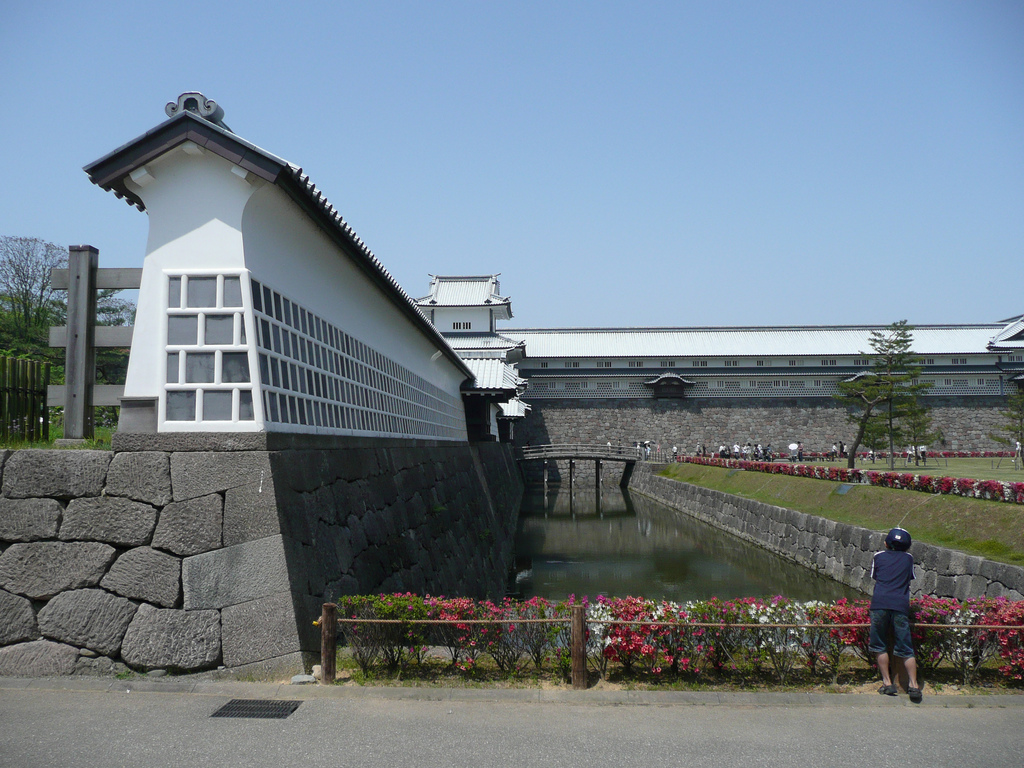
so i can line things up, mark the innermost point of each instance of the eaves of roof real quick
(764, 373)
(111, 170)
(795, 342)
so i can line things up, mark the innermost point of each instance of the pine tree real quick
(878, 394)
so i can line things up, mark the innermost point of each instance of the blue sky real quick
(620, 164)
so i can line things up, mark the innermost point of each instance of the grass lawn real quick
(101, 441)
(979, 469)
(991, 529)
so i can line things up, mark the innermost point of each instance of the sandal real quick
(890, 690)
(915, 695)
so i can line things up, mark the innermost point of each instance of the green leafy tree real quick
(28, 302)
(878, 394)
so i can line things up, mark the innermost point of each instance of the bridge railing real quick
(591, 451)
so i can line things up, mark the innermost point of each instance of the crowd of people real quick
(752, 451)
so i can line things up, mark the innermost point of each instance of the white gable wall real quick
(215, 229)
(194, 204)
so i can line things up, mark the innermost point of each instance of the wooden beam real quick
(80, 350)
(107, 336)
(121, 278)
(102, 394)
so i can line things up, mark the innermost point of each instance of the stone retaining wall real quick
(842, 552)
(965, 422)
(193, 552)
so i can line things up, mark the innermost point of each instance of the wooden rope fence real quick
(577, 621)
(23, 413)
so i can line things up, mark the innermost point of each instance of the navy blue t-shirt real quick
(892, 571)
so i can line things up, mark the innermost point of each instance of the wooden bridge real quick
(629, 455)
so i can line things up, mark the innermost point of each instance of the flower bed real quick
(660, 640)
(993, 490)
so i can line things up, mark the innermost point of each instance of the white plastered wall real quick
(478, 317)
(287, 251)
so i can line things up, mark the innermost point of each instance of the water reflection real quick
(618, 543)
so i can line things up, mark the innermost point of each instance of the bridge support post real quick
(627, 472)
(545, 473)
(572, 475)
(597, 476)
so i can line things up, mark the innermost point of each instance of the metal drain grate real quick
(265, 708)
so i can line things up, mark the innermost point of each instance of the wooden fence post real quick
(578, 650)
(80, 355)
(328, 643)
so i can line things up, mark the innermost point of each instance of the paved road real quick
(87, 723)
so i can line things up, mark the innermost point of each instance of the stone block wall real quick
(817, 422)
(842, 552)
(191, 552)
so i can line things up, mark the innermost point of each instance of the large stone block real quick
(88, 618)
(945, 586)
(29, 519)
(962, 586)
(17, 619)
(58, 474)
(142, 476)
(40, 658)
(235, 574)
(172, 639)
(146, 574)
(190, 527)
(259, 630)
(200, 474)
(250, 513)
(108, 519)
(41, 569)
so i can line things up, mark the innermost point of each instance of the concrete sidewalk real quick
(350, 691)
(94, 723)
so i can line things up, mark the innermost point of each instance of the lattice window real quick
(207, 354)
(316, 375)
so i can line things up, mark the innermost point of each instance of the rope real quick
(676, 624)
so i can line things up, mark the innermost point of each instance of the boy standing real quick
(893, 570)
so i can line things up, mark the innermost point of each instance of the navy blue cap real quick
(898, 539)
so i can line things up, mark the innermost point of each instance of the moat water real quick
(627, 544)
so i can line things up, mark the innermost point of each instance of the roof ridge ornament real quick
(198, 104)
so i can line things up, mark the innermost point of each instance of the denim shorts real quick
(886, 625)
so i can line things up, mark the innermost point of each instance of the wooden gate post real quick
(578, 650)
(80, 355)
(328, 643)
